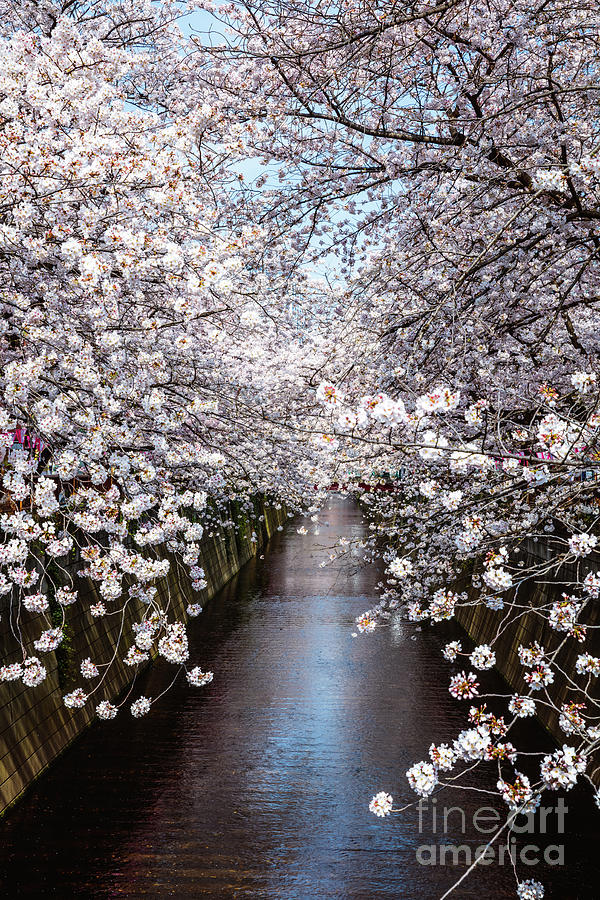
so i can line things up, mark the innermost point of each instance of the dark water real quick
(258, 785)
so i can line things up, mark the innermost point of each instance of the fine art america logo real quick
(498, 842)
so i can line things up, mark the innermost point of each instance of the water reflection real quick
(257, 786)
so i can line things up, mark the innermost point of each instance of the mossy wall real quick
(35, 725)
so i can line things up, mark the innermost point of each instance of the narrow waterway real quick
(258, 785)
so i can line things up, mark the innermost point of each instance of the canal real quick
(258, 785)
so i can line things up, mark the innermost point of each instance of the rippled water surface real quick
(258, 785)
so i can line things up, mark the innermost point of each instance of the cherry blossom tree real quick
(168, 344)
(150, 350)
(448, 152)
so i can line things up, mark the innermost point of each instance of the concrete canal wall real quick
(486, 626)
(35, 725)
